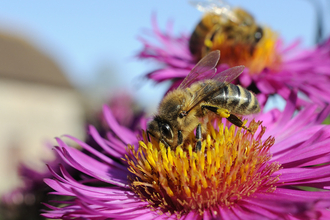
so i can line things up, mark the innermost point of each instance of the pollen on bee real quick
(208, 43)
(232, 164)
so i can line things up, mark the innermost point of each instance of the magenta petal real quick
(103, 144)
(250, 211)
(264, 211)
(323, 115)
(245, 79)
(96, 153)
(116, 144)
(314, 146)
(295, 175)
(92, 167)
(227, 214)
(289, 109)
(161, 75)
(123, 133)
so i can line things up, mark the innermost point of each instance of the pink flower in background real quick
(307, 70)
(125, 109)
(263, 176)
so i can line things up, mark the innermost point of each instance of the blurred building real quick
(37, 103)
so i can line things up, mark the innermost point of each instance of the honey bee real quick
(233, 31)
(202, 96)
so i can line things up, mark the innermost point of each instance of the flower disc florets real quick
(232, 164)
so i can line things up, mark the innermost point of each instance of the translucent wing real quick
(218, 82)
(211, 5)
(229, 75)
(204, 69)
(218, 7)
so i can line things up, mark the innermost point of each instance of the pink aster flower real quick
(274, 67)
(236, 175)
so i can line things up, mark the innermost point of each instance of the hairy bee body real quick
(233, 98)
(235, 34)
(202, 96)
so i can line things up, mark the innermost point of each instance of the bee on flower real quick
(236, 174)
(201, 97)
(233, 31)
(271, 67)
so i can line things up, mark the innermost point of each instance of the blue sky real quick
(86, 36)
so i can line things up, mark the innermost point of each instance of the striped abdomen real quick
(236, 99)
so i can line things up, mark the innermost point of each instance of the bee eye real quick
(166, 131)
(258, 34)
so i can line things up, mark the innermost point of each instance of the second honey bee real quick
(202, 96)
(233, 31)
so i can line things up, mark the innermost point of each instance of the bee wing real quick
(204, 69)
(223, 78)
(210, 5)
(218, 7)
(228, 75)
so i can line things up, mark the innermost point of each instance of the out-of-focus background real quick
(59, 60)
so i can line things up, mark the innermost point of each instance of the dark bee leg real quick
(180, 138)
(236, 121)
(148, 133)
(224, 113)
(199, 137)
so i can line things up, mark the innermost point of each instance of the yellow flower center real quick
(232, 164)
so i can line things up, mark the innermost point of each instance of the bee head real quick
(161, 130)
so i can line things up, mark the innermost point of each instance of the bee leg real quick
(199, 137)
(238, 122)
(224, 113)
(180, 138)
